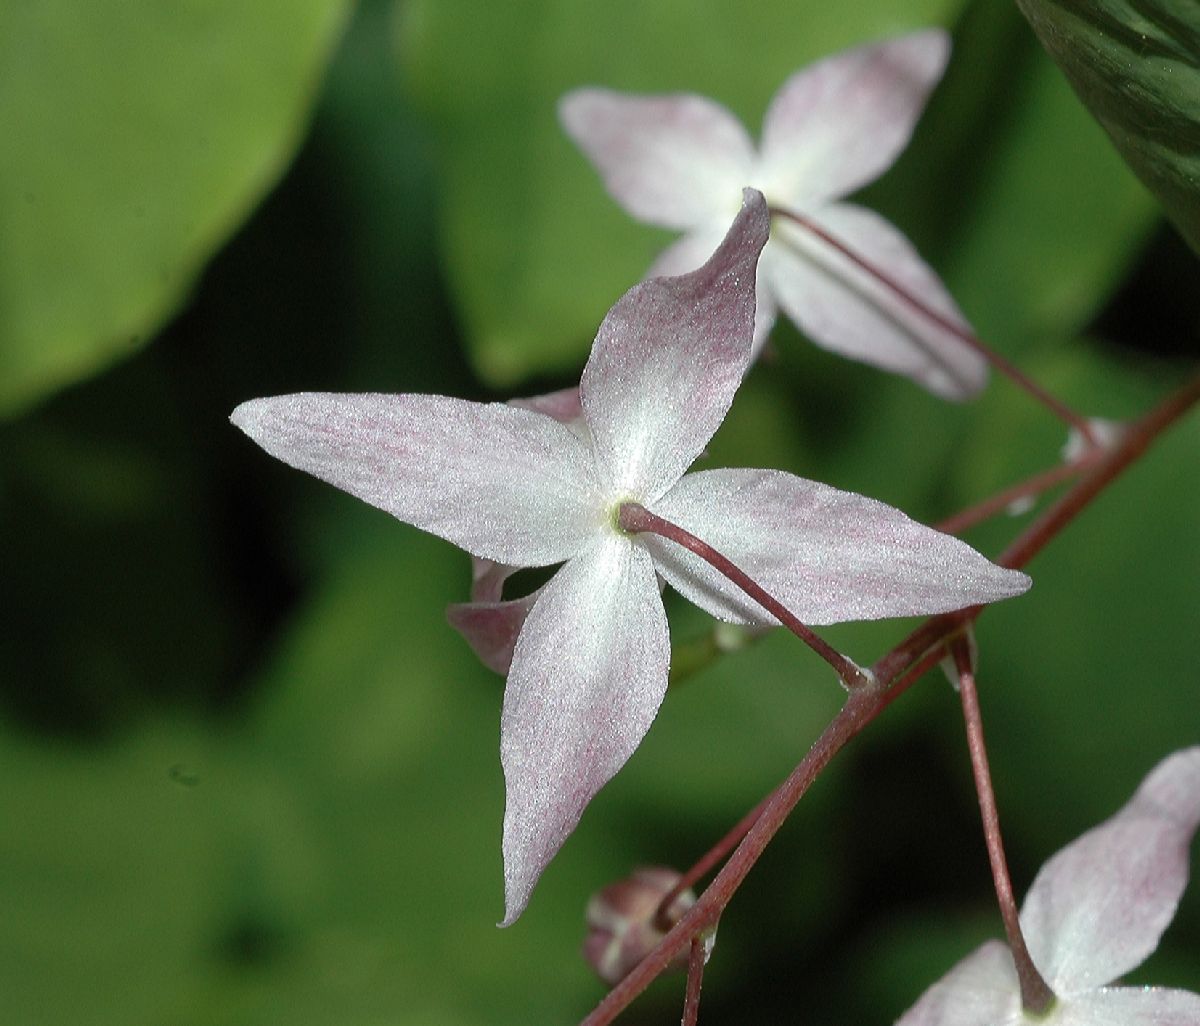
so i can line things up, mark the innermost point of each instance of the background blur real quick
(247, 773)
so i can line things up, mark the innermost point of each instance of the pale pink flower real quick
(1095, 911)
(681, 161)
(520, 488)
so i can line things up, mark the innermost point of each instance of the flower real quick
(1095, 911)
(521, 489)
(681, 161)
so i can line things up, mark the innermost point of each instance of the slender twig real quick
(947, 324)
(1132, 444)
(691, 1000)
(1036, 995)
(707, 862)
(637, 519)
(1030, 488)
(893, 674)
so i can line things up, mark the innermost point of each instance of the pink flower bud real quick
(623, 922)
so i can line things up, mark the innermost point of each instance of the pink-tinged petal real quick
(689, 252)
(1129, 1006)
(491, 628)
(503, 483)
(677, 160)
(826, 554)
(1099, 906)
(667, 361)
(487, 579)
(841, 122)
(563, 405)
(982, 990)
(588, 676)
(847, 310)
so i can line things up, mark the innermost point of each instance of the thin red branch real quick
(713, 857)
(1031, 487)
(1036, 995)
(691, 1000)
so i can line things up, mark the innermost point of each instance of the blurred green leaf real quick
(535, 250)
(110, 877)
(1136, 66)
(136, 137)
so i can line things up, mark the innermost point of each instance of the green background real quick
(248, 775)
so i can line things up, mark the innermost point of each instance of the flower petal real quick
(1129, 1006)
(667, 360)
(505, 484)
(840, 123)
(843, 308)
(588, 676)
(563, 405)
(492, 628)
(690, 251)
(677, 160)
(826, 554)
(981, 990)
(1099, 906)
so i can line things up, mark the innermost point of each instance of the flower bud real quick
(624, 926)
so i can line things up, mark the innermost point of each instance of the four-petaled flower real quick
(1095, 911)
(520, 488)
(681, 161)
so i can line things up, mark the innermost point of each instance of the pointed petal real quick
(667, 361)
(675, 161)
(492, 628)
(1129, 1006)
(1099, 906)
(563, 405)
(826, 554)
(841, 122)
(504, 484)
(690, 251)
(588, 676)
(843, 308)
(487, 579)
(981, 990)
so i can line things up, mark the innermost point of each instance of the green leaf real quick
(535, 249)
(136, 138)
(1135, 64)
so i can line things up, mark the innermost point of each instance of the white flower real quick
(520, 488)
(1095, 911)
(681, 161)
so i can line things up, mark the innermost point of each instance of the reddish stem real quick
(963, 334)
(691, 1000)
(710, 859)
(1029, 488)
(637, 519)
(1036, 995)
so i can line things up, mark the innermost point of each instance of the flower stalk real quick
(1036, 995)
(636, 519)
